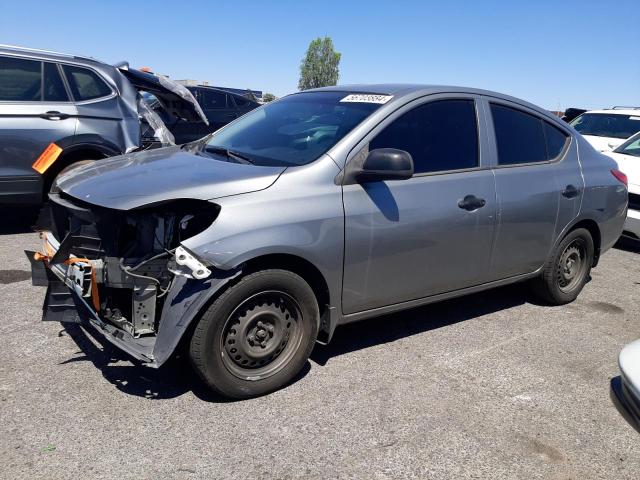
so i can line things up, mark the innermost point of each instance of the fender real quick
(580, 218)
(88, 141)
(185, 301)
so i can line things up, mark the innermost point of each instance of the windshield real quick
(293, 131)
(607, 124)
(630, 147)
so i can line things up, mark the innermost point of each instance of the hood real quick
(175, 98)
(629, 165)
(603, 144)
(138, 179)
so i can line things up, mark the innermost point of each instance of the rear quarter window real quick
(85, 84)
(20, 80)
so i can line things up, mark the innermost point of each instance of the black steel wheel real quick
(567, 270)
(570, 269)
(257, 335)
(261, 335)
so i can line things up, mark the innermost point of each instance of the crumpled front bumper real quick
(73, 306)
(68, 301)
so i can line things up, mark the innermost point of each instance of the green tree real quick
(268, 97)
(319, 67)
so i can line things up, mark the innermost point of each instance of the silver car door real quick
(538, 186)
(429, 234)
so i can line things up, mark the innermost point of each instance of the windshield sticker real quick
(367, 98)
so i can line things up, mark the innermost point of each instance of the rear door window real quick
(212, 100)
(525, 138)
(440, 136)
(53, 86)
(85, 84)
(20, 80)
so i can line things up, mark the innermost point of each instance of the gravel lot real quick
(489, 386)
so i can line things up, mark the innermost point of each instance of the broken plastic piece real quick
(198, 270)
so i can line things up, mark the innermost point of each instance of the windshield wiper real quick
(228, 153)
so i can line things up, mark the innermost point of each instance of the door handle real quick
(230, 115)
(53, 115)
(471, 202)
(570, 192)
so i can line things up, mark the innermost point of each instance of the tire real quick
(567, 270)
(257, 335)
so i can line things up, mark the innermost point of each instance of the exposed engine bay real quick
(122, 262)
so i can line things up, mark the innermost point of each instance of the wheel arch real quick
(310, 274)
(592, 227)
(76, 152)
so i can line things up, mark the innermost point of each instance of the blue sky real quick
(552, 53)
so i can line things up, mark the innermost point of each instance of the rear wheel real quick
(257, 335)
(567, 271)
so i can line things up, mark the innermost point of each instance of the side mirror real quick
(385, 164)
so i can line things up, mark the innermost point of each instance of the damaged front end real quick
(125, 271)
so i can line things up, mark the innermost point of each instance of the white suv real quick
(606, 129)
(628, 157)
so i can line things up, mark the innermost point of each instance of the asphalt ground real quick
(494, 385)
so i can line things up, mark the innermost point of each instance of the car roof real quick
(48, 55)
(401, 90)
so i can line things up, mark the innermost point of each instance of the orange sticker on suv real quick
(46, 158)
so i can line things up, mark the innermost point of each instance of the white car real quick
(626, 388)
(606, 129)
(627, 156)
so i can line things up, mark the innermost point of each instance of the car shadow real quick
(389, 328)
(176, 377)
(628, 245)
(171, 380)
(17, 219)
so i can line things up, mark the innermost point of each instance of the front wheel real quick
(567, 270)
(257, 335)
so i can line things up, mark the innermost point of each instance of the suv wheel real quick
(257, 335)
(567, 271)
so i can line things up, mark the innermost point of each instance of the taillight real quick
(620, 176)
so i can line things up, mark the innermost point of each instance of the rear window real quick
(240, 101)
(613, 125)
(20, 80)
(211, 100)
(525, 138)
(85, 84)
